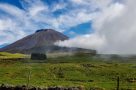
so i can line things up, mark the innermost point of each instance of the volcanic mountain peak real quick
(41, 40)
(45, 30)
(50, 35)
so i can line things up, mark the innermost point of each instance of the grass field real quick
(5, 55)
(87, 72)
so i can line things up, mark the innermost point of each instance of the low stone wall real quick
(4, 87)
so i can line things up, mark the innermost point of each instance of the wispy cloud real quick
(112, 21)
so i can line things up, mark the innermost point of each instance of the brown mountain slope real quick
(41, 41)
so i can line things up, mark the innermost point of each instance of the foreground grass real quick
(69, 71)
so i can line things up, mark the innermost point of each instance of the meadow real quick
(88, 72)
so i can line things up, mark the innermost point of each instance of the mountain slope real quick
(41, 41)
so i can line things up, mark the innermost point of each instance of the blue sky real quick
(58, 14)
(16, 2)
(82, 28)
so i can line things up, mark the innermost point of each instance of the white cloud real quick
(121, 31)
(93, 41)
(11, 9)
(108, 14)
(58, 6)
(7, 33)
(116, 24)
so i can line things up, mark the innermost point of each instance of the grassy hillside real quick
(67, 71)
(5, 55)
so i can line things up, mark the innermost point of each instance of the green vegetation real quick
(70, 71)
(5, 55)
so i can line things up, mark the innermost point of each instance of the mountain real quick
(3, 45)
(41, 41)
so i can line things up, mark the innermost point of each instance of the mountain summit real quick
(41, 41)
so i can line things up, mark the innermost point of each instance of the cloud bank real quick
(115, 30)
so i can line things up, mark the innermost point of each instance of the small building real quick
(38, 56)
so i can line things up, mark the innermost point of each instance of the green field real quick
(86, 71)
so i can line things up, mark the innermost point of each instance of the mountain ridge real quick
(41, 38)
(42, 41)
